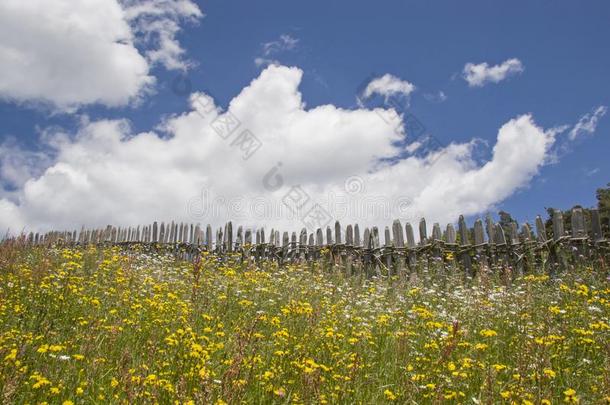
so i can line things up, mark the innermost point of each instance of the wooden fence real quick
(484, 245)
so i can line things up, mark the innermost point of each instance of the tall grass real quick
(104, 325)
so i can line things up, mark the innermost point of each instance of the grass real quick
(104, 325)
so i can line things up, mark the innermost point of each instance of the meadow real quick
(94, 324)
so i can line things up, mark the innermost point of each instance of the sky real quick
(293, 114)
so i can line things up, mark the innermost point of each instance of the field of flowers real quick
(105, 325)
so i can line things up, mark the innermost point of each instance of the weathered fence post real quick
(465, 247)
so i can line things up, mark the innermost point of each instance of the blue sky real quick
(562, 46)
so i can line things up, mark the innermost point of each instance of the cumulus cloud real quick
(478, 75)
(587, 124)
(199, 168)
(67, 53)
(388, 85)
(18, 165)
(156, 24)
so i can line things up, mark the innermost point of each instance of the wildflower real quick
(389, 395)
(549, 373)
(450, 395)
(488, 333)
(11, 356)
(570, 396)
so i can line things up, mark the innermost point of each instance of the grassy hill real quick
(112, 325)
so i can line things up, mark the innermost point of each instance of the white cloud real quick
(156, 24)
(107, 174)
(388, 85)
(265, 61)
(18, 165)
(592, 172)
(66, 53)
(587, 124)
(285, 42)
(481, 74)
(438, 97)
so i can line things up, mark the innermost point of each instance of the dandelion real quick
(389, 395)
(488, 333)
(549, 373)
(570, 396)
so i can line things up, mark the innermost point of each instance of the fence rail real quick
(483, 245)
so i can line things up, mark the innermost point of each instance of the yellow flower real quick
(389, 395)
(549, 373)
(488, 333)
(67, 402)
(451, 395)
(570, 396)
(11, 356)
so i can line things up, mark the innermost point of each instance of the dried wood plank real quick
(423, 232)
(230, 236)
(558, 229)
(208, 237)
(578, 223)
(436, 232)
(596, 226)
(540, 229)
(337, 233)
